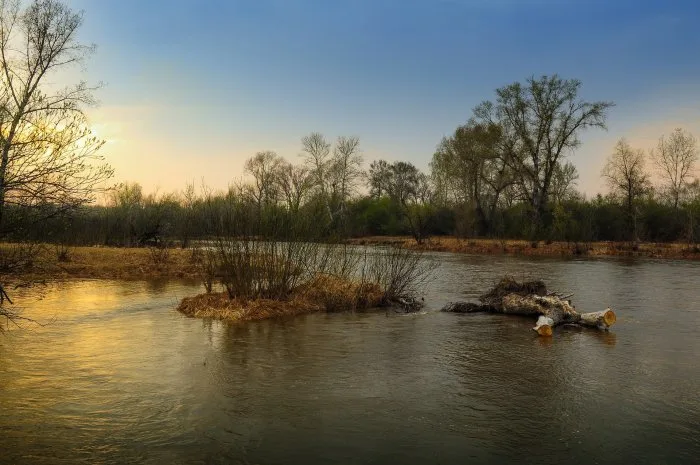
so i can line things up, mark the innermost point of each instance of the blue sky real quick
(196, 87)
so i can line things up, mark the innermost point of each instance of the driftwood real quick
(532, 299)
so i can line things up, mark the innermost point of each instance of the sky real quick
(194, 88)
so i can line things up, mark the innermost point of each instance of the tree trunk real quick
(532, 299)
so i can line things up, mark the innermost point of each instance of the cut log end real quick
(544, 330)
(602, 320)
(544, 326)
(609, 317)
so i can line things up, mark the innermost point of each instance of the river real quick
(116, 375)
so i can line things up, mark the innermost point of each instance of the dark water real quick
(118, 376)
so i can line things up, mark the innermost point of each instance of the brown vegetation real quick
(44, 262)
(539, 248)
(323, 293)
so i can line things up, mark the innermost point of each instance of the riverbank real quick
(539, 248)
(48, 263)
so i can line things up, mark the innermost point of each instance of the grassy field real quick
(554, 249)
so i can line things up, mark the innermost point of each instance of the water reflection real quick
(121, 377)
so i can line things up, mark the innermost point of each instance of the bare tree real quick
(541, 121)
(265, 168)
(412, 192)
(188, 201)
(628, 179)
(317, 156)
(675, 157)
(295, 183)
(403, 182)
(346, 167)
(564, 182)
(47, 153)
(473, 165)
(378, 178)
(129, 200)
(335, 175)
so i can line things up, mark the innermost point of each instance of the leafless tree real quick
(265, 168)
(628, 179)
(188, 200)
(564, 182)
(295, 183)
(378, 178)
(675, 157)
(47, 153)
(541, 122)
(412, 192)
(317, 157)
(472, 165)
(346, 167)
(335, 174)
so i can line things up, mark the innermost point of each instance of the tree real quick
(335, 176)
(48, 155)
(472, 164)
(563, 182)
(628, 180)
(379, 177)
(265, 168)
(188, 202)
(403, 181)
(317, 157)
(675, 157)
(346, 167)
(541, 123)
(295, 183)
(410, 190)
(128, 200)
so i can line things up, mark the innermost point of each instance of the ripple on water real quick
(119, 376)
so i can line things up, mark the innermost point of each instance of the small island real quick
(269, 279)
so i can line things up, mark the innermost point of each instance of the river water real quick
(118, 376)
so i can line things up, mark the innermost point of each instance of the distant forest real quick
(503, 174)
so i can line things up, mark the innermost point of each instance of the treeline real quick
(503, 174)
(168, 220)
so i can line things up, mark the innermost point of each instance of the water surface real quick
(118, 376)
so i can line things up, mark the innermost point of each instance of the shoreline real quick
(142, 263)
(670, 250)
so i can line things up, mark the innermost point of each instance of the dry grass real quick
(541, 248)
(323, 293)
(336, 295)
(103, 263)
(220, 307)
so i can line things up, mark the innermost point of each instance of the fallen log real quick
(532, 299)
